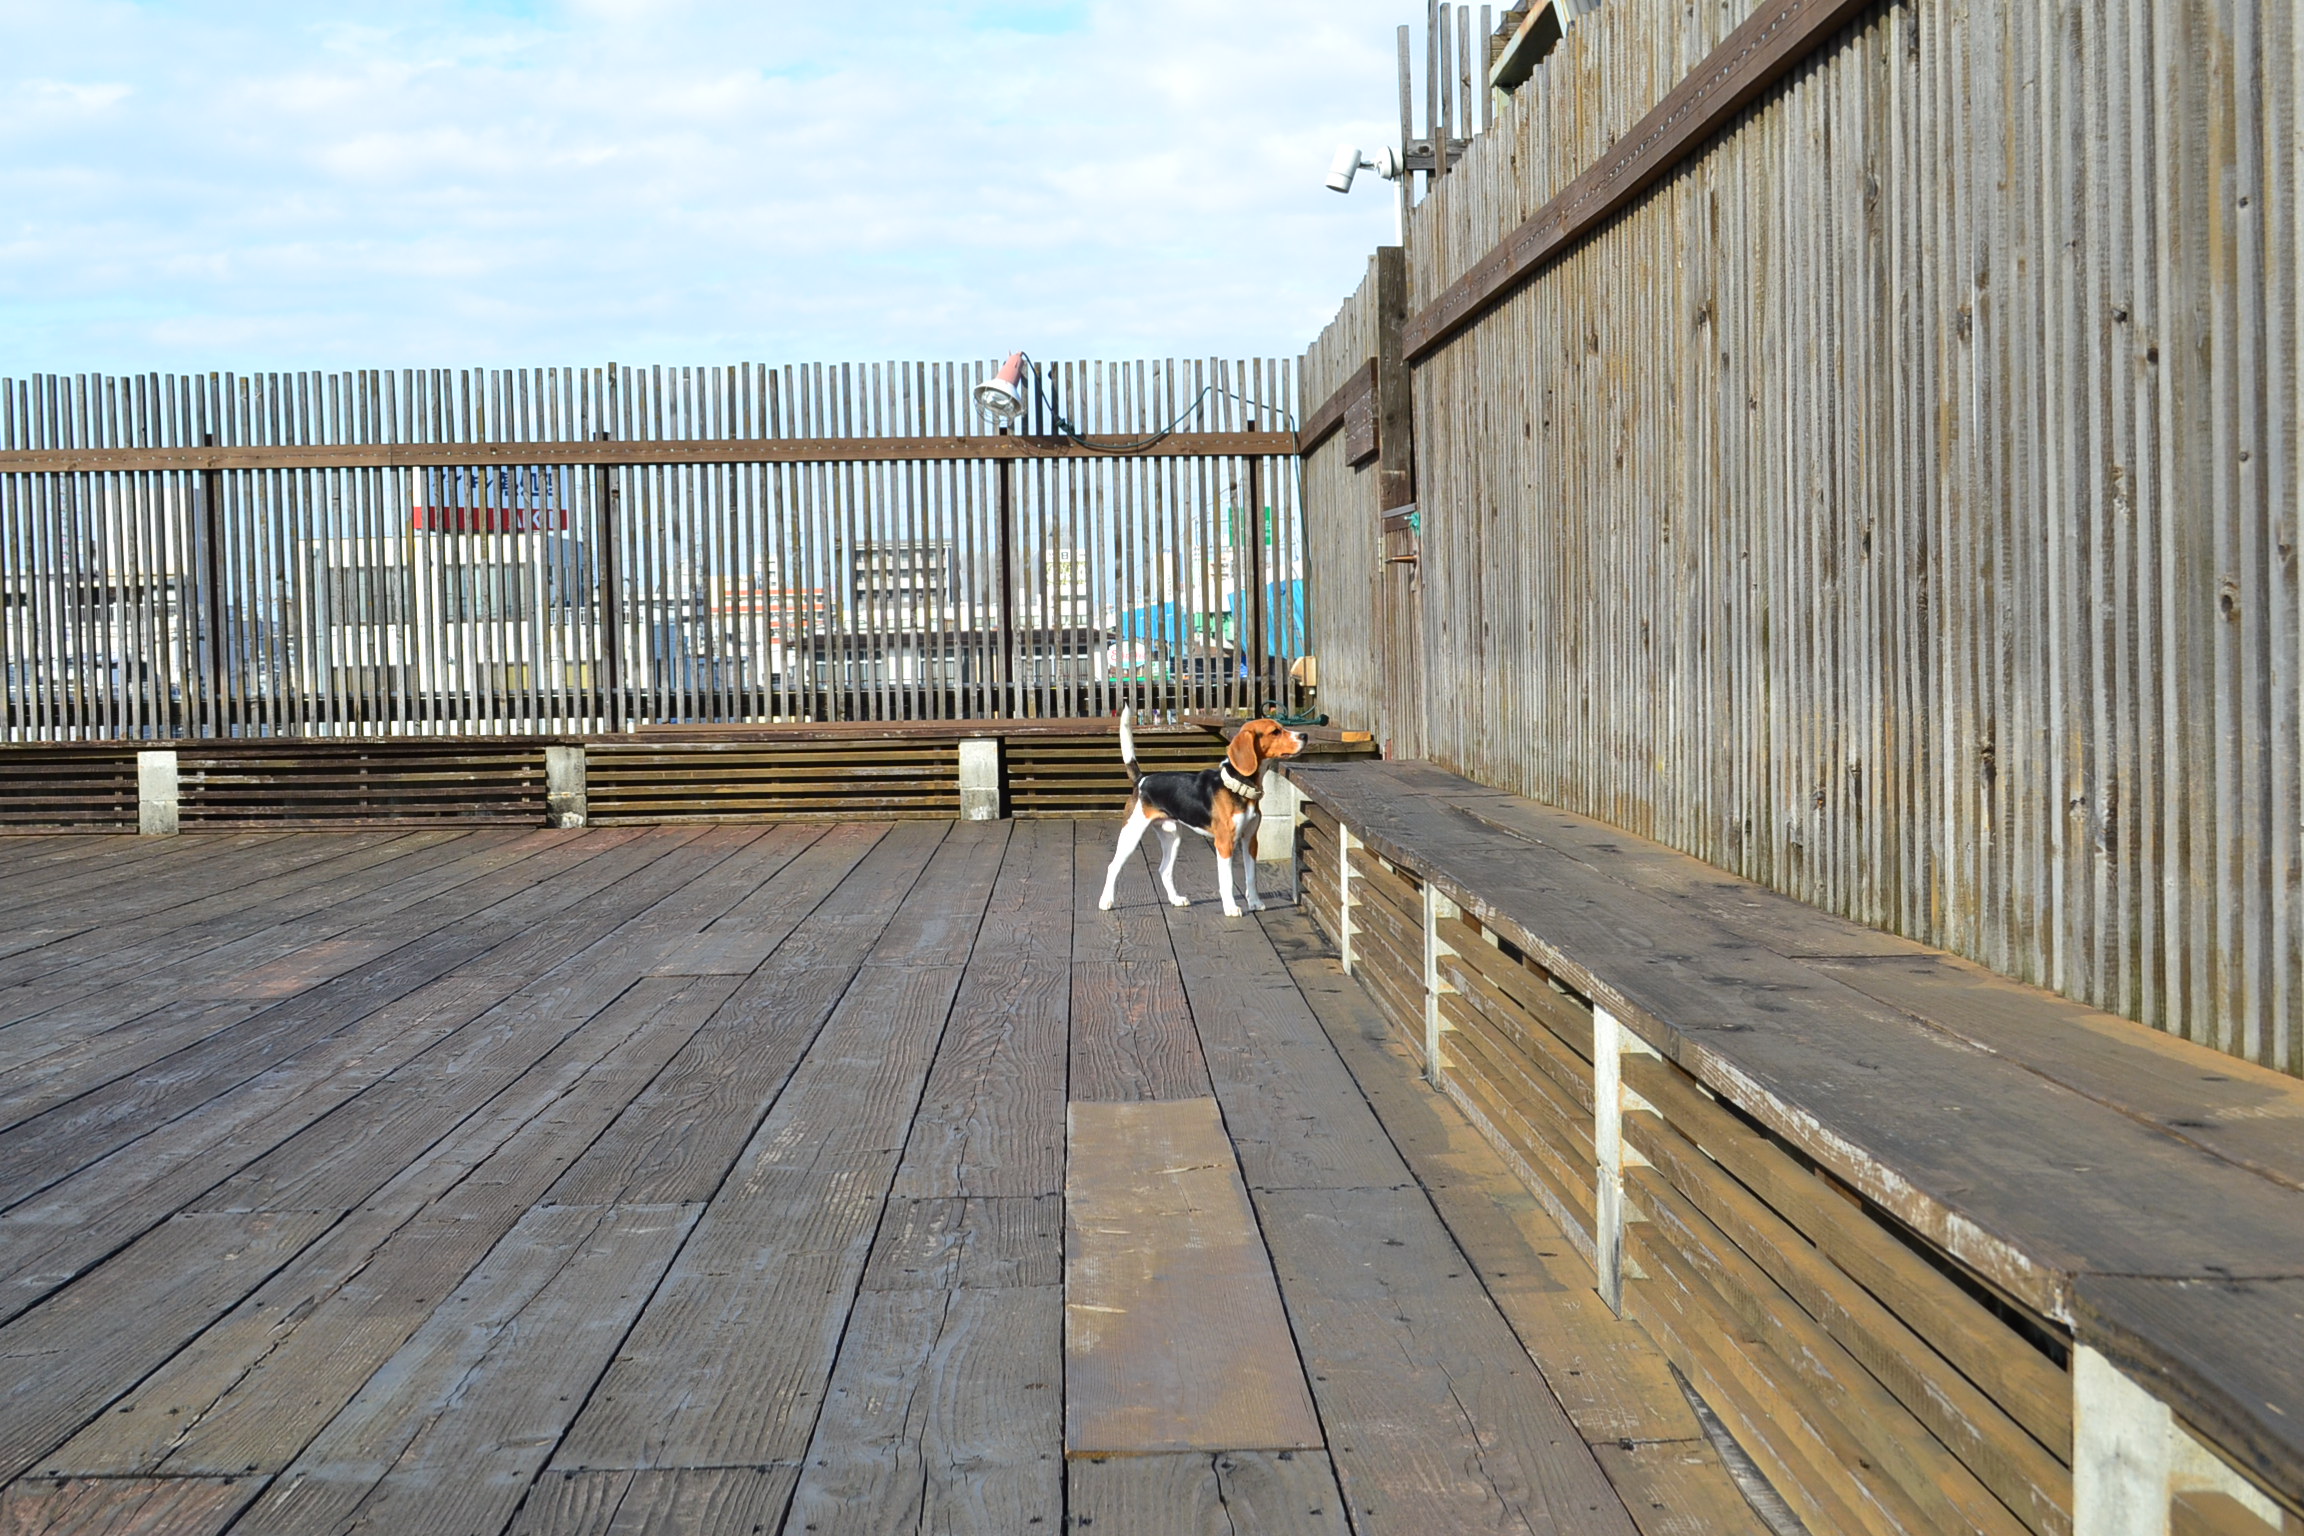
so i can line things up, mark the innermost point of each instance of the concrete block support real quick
(1276, 834)
(564, 795)
(156, 797)
(980, 778)
(2132, 1462)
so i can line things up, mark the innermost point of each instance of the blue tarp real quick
(1171, 625)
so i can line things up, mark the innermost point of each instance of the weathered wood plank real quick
(2021, 1381)
(1677, 1488)
(1294, 1114)
(169, 974)
(991, 1121)
(539, 1045)
(1189, 1493)
(729, 1363)
(297, 878)
(1947, 1494)
(67, 1358)
(1611, 1381)
(430, 994)
(982, 1241)
(704, 1501)
(678, 1139)
(1132, 1035)
(1174, 1337)
(2237, 1110)
(251, 1392)
(165, 1506)
(449, 1435)
(84, 1054)
(944, 1415)
(1441, 1420)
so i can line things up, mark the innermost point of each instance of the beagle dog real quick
(1218, 803)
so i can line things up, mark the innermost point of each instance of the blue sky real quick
(272, 185)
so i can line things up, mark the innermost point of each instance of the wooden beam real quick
(785, 450)
(1755, 56)
(1324, 422)
(1516, 60)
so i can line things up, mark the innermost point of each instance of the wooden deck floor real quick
(715, 1180)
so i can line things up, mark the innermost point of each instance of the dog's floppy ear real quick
(1247, 750)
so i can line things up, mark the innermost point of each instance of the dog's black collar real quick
(1246, 789)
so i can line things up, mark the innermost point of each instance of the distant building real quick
(902, 584)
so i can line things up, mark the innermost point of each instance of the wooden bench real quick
(1944, 1251)
(936, 769)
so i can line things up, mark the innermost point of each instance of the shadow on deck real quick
(717, 1180)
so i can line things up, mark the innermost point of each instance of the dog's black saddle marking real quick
(1186, 797)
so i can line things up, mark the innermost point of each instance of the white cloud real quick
(432, 183)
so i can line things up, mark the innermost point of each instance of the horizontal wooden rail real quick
(1756, 55)
(1326, 421)
(772, 450)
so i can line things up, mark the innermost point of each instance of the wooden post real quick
(1432, 79)
(1255, 637)
(1480, 63)
(1436, 907)
(1397, 619)
(1608, 1144)
(1407, 187)
(611, 607)
(1395, 406)
(213, 692)
(1007, 514)
(1611, 1100)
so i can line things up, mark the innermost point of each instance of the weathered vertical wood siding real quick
(1898, 505)
(1343, 567)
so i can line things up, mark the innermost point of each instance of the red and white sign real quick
(489, 499)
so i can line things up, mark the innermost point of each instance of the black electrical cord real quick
(1075, 436)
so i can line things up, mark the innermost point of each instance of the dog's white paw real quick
(1231, 911)
(1104, 905)
(1255, 906)
(1179, 901)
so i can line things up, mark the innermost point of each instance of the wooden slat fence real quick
(1897, 502)
(557, 550)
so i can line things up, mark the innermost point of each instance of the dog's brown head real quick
(1259, 742)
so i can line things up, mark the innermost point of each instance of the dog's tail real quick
(1128, 744)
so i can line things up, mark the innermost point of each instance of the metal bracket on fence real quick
(1436, 907)
(2132, 1462)
(157, 804)
(565, 802)
(980, 778)
(1611, 1043)
(1345, 843)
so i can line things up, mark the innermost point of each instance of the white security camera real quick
(1349, 162)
